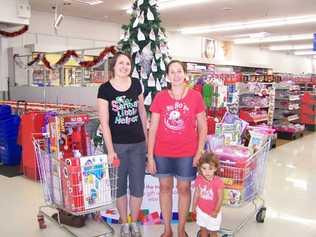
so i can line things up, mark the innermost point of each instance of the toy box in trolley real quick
(73, 178)
(243, 174)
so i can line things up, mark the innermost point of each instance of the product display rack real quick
(254, 102)
(287, 111)
(308, 110)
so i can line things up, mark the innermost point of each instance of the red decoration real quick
(66, 57)
(15, 33)
(68, 54)
(105, 52)
(46, 63)
(35, 60)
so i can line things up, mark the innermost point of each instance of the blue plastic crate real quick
(12, 156)
(5, 111)
(10, 127)
(8, 146)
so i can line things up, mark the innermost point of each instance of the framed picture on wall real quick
(208, 48)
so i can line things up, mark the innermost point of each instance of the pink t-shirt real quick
(208, 193)
(177, 134)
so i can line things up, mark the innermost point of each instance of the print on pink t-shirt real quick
(177, 134)
(208, 197)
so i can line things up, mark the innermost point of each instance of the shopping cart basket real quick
(244, 183)
(80, 186)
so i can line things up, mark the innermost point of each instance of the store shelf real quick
(289, 98)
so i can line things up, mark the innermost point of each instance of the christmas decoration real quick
(158, 85)
(151, 81)
(154, 66)
(148, 99)
(141, 18)
(146, 58)
(140, 35)
(135, 47)
(14, 34)
(144, 42)
(152, 35)
(150, 15)
(152, 2)
(40, 57)
(135, 74)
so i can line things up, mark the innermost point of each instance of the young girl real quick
(208, 196)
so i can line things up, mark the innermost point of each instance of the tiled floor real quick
(290, 192)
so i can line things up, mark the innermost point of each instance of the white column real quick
(3, 64)
(314, 66)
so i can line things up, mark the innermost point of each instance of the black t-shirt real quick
(124, 120)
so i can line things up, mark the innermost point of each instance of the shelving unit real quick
(308, 110)
(254, 102)
(287, 111)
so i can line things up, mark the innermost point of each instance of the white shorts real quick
(208, 222)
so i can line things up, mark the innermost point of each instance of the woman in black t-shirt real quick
(123, 121)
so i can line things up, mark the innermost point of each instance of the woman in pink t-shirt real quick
(176, 138)
(208, 196)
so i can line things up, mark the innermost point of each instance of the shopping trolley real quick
(80, 186)
(244, 183)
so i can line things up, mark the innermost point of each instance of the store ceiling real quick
(212, 12)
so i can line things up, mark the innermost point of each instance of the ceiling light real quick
(257, 24)
(274, 39)
(178, 3)
(167, 4)
(305, 52)
(90, 2)
(290, 47)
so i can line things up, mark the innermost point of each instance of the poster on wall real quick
(216, 50)
(150, 205)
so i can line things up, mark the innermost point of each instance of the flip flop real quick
(163, 235)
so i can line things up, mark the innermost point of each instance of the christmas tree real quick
(145, 40)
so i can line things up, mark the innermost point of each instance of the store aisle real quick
(290, 192)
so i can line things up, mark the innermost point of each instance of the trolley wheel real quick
(41, 221)
(261, 214)
(199, 234)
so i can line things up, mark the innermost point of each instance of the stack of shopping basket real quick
(10, 151)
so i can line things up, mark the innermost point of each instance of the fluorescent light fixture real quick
(305, 52)
(90, 2)
(58, 21)
(257, 24)
(167, 4)
(290, 47)
(271, 39)
(178, 3)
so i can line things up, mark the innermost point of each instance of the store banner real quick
(314, 42)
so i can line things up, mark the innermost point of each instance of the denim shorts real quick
(131, 171)
(180, 167)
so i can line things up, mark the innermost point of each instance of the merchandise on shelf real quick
(287, 104)
(289, 127)
(255, 102)
(253, 116)
(308, 109)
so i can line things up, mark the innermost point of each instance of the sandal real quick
(164, 235)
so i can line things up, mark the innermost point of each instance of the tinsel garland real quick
(15, 33)
(72, 53)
